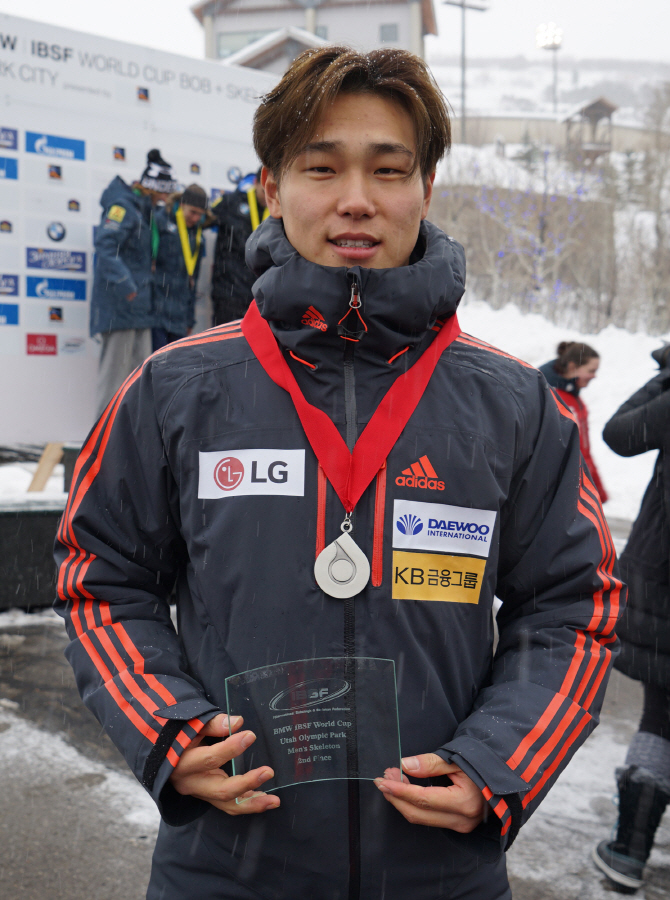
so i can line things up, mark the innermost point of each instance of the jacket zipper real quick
(353, 793)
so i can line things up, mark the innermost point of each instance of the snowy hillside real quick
(625, 366)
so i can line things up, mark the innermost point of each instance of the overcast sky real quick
(624, 29)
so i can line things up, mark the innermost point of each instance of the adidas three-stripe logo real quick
(313, 317)
(420, 475)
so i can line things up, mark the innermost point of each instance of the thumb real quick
(218, 726)
(427, 765)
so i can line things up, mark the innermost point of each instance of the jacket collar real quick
(556, 380)
(399, 306)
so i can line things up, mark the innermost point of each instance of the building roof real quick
(218, 8)
(272, 45)
(593, 111)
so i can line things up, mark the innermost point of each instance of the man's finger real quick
(432, 817)
(218, 726)
(428, 765)
(216, 786)
(204, 759)
(437, 798)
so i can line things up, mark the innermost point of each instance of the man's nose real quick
(356, 197)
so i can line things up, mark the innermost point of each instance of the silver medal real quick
(342, 569)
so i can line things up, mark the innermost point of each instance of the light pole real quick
(550, 37)
(463, 5)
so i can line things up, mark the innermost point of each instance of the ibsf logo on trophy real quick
(310, 693)
(228, 473)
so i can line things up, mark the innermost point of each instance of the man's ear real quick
(427, 195)
(271, 188)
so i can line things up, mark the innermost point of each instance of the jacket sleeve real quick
(561, 598)
(109, 241)
(643, 422)
(118, 551)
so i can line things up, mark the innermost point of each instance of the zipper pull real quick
(355, 304)
(355, 299)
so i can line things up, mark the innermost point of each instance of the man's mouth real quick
(346, 242)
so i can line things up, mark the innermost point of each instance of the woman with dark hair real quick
(642, 424)
(575, 366)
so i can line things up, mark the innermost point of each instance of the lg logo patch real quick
(247, 472)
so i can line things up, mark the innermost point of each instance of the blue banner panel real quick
(52, 145)
(56, 288)
(9, 168)
(63, 260)
(9, 139)
(9, 313)
(9, 285)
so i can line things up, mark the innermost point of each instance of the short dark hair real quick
(288, 115)
(573, 352)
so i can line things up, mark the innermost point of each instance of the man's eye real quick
(387, 170)
(320, 170)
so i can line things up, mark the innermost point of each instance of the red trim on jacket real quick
(577, 405)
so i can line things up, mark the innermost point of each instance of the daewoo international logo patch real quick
(420, 475)
(314, 319)
(441, 528)
(232, 473)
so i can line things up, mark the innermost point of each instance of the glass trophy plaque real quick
(318, 719)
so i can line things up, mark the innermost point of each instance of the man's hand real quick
(132, 296)
(460, 806)
(199, 772)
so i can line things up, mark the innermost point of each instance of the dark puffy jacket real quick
(122, 261)
(232, 279)
(174, 289)
(246, 595)
(642, 424)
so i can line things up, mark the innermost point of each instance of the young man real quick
(224, 467)
(126, 243)
(238, 214)
(180, 251)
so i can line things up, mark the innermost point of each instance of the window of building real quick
(322, 32)
(232, 41)
(388, 34)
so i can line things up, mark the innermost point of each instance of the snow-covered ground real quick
(15, 479)
(625, 366)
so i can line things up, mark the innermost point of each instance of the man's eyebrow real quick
(333, 146)
(392, 148)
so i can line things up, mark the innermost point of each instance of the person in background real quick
(126, 243)
(573, 369)
(640, 425)
(180, 252)
(238, 214)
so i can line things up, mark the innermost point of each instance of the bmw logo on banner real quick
(56, 231)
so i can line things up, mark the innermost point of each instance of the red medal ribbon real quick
(350, 473)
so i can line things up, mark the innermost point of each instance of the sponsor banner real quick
(71, 346)
(9, 313)
(53, 145)
(55, 288)
(9, 168)
(41, 345)
(437, 576)
(9, 139)
(442, 528)
(64, 260)
(9, 285)
(232, 473)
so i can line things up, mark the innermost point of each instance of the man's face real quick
(192, 214)
(347, 199)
